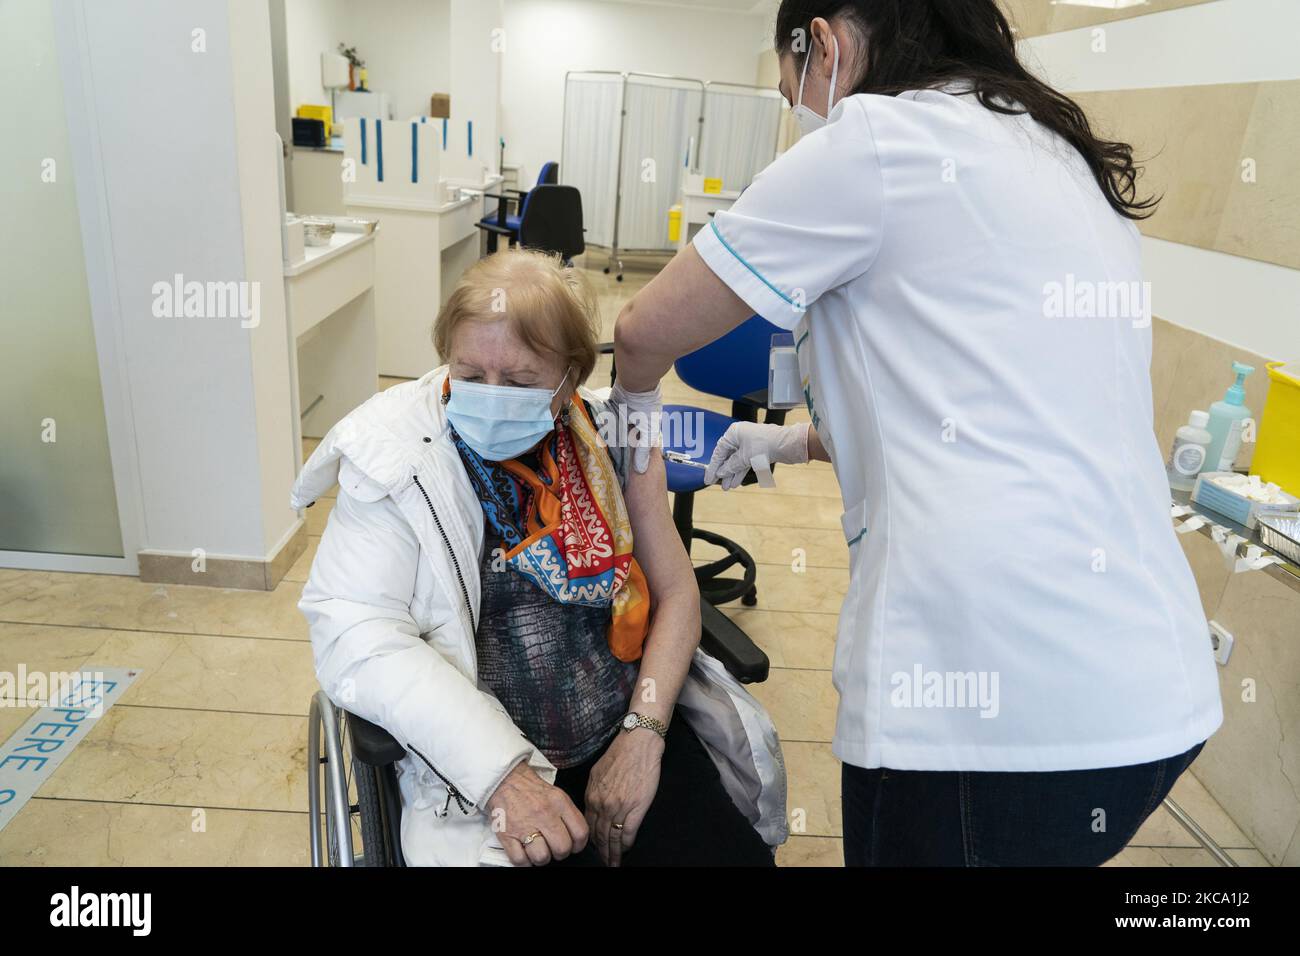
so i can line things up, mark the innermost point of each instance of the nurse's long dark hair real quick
(921, 44)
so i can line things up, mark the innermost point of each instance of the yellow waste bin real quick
(1277, 448)
(674, 223)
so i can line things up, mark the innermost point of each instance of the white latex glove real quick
(642, 407)
(782, 444)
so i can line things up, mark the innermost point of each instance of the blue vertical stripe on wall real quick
(415, 152)
(470, 135)
(363, 141)
(444, 133)
(379, 149)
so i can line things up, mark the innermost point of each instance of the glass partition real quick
(56, 477)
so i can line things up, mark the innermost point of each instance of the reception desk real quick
(420, 253)
(422, 182)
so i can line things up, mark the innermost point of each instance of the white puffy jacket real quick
(392, 603)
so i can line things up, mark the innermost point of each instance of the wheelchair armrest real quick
(721, 638)
(371, 744)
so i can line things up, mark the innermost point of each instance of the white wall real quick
(208, 400)
(1251, 305)
(474, 56)
(256, 151)
(403, 42)
(547, 38)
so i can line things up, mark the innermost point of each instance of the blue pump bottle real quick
(1227, 419)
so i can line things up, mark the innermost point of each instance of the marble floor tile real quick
(819, 590)
(786, 511)
(85, 833)
(804, 641)
(802, 704)
(242, 674)
(188, 758)
(45, 649)
(813, 800)
(811, 851)
(1190, 794)
(125, 603)
(770, 544)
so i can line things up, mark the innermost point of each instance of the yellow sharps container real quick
(1277, 448)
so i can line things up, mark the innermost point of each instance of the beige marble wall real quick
(1223, 157)
(1252, 765)
(1036, 17)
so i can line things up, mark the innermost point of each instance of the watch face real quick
(629, 721)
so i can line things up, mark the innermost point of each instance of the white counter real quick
(330, 297)
(339, 243)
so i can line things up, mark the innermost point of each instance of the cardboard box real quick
(440, 106)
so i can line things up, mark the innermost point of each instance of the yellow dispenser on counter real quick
(674, 223)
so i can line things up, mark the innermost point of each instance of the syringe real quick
(681, 459)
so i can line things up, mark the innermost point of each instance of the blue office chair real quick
(733, 367)
(503, 222)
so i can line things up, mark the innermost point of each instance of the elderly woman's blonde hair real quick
(549, 306)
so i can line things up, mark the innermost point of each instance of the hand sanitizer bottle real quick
(1226, 421)
(1187, 458)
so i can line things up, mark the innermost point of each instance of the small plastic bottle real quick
(1187, 457)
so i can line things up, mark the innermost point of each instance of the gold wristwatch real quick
(635, 720)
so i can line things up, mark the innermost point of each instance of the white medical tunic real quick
(975, 344)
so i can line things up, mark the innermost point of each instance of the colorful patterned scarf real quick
(565, 527)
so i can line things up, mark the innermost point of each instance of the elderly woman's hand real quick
(538, 821)
(620, 790)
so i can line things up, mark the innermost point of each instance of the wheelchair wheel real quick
(345, 802)
(370, 817)
(328, 808)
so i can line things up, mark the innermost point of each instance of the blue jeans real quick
(960, 818)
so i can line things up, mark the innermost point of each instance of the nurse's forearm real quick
(816, 450)
(681, 309)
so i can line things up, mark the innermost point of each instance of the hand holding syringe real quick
(760, 465)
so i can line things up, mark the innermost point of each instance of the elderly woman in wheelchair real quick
(506, 598)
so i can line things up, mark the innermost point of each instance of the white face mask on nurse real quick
(813, 84)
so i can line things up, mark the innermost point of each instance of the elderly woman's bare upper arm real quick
(657, 546)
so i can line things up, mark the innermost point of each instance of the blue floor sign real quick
(74, 703)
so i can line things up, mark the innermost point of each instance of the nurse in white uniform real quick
(1023, 664)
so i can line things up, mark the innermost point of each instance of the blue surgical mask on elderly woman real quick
(500, 422)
